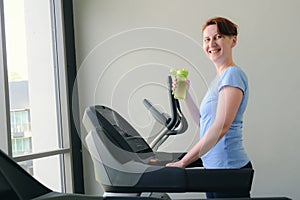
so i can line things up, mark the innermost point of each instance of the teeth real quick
(214, 51)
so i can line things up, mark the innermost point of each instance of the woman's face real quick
(217, 47)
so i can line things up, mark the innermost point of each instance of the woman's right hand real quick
(174, 84)
(176, 164)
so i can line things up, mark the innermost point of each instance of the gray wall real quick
(125, 49)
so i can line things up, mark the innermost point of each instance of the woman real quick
(220, 145)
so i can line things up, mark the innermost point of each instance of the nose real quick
(212, 42)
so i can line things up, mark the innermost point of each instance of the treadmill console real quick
(119, 131)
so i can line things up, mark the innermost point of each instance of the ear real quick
(234, 41)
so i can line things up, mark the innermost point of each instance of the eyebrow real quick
(212, 36)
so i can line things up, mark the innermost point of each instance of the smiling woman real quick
(219, 37)
(222, 108)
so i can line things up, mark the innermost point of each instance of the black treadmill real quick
(125, 163)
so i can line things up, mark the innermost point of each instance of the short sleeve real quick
(234, 77)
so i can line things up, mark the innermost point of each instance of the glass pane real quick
(46, 170)
(33, 108)
(32, 91)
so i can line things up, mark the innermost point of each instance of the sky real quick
(15, 39)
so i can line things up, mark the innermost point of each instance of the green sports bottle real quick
(181, 83)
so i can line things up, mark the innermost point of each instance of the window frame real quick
(4, 101)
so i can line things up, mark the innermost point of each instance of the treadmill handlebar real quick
(163, 118)
(173, 105)
(160, 117)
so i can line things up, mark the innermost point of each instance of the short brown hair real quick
(225, 26)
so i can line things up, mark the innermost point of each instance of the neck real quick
(223, 66)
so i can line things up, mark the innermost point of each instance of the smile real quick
(214, 51)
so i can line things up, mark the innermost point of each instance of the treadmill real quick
(126, 165)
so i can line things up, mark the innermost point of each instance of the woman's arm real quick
(192, 108)
(229, 101)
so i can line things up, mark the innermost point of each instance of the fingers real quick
(174, 83)
(171, 165)
(175, 164)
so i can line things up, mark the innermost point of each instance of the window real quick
(34, 87)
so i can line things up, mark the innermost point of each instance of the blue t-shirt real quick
(229, 152)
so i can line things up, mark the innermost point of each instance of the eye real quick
(206, 40)
(219, 36)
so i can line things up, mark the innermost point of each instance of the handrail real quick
(174, 117)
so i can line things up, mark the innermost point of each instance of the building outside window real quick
(21, 135)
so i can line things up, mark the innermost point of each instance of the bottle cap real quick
(183, 73)
(179, 72)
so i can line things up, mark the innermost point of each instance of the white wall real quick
(126, 48)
